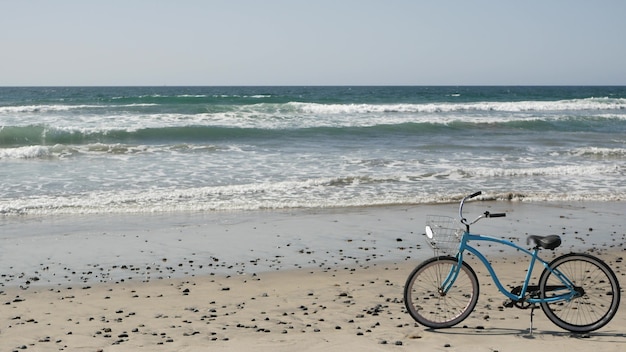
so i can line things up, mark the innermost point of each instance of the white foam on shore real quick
(254, 197)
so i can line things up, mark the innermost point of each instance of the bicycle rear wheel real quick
(429, 305)
(598, 288)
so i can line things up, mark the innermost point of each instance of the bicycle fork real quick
(451, 275)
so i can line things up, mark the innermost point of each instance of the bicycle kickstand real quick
(532, 314)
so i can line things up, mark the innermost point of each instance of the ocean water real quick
(75, 150)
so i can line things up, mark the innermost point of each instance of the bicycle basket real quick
(443, 234)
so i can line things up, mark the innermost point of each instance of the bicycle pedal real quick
(508, 304)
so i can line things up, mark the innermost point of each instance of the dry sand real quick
(343, 292)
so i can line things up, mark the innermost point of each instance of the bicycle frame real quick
(568, 286)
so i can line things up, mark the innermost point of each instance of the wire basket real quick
(445, 232)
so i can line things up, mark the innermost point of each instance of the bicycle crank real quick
(533, 291)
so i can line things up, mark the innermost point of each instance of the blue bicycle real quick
(578, 292)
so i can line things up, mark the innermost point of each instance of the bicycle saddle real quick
(547, 242)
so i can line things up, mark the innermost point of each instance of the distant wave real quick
(600, 152)
(65, 151)
(167, 129)
(47, 108)
(517, 106)
(172, 103)
(41, 135)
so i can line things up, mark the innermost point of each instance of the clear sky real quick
(312, 42)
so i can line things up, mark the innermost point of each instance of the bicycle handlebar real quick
(476, 194)
(484, 215)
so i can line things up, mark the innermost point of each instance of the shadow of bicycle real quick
(596, 336)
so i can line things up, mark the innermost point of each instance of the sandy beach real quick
(275, 281)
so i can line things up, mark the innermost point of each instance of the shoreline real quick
(108, 248)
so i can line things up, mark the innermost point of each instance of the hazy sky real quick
(312, 42)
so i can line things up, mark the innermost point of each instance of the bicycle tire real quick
(425, 302)
(599, 287)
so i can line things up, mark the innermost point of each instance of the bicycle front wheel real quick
(598, 293)
(426, 301)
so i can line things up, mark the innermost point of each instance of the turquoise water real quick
(174, 149)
